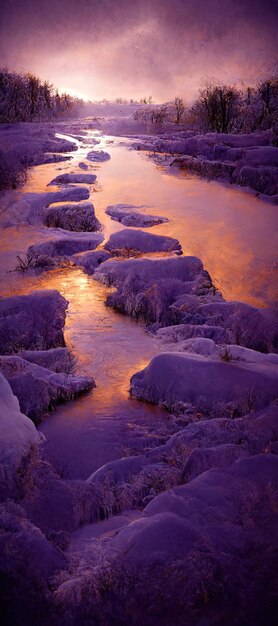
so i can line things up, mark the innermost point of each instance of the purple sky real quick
(132, 48)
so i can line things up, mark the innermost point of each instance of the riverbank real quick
(249, 161)
(26, 144)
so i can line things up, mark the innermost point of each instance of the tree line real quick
(220, 108)
(24, 98)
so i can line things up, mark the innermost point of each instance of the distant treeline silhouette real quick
(24, 98)
(219, 108)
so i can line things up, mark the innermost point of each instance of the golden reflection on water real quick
(108, 345)
(111, 348)
(234, 233)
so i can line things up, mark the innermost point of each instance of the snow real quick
(39, 389)
(64, 179)
(63, 245)
(216, 388)
(130, 215)
(33, 321)
(17, 435)
(141, 241)
(98, 156)
(72, 217)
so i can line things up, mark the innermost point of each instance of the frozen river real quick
(230, 230)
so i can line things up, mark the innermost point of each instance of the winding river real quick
(229, 229)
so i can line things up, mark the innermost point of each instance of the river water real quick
(234, 234)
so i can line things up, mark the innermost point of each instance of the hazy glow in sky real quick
(132, 48)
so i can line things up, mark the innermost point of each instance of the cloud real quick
(110, 48)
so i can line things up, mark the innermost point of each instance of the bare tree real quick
(268, 91)
(33, 88)
(217, 107)
(23, 98)
(152, 115)
(179, 110)
(159, 115)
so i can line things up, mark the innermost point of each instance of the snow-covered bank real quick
(18, 435)
(247, 160)
(26, 144)
(177, 300)
(35, 322)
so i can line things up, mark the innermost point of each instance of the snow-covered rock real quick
(55, 359)
(130, 215)
(177, 297)
(63, 245)
(55, 505)
(39, 389)
(234, 323)
(140, 241)
(207, 167)
(195, 550)
(185, 269)
(98, 156)
(34, 321)
(179, 333)
(263, 179)
(91, 260)
(203, 459)
(27, 562)
(72, 217)
(64, 179)
(91, 141)
(17, 436)
(198, 345)
(148, 288)
(263, 155)
(216, 388)
(196, 447)
(255, 433)
(30, 209)
(244, 324)
(207, 347)
(132, 480)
